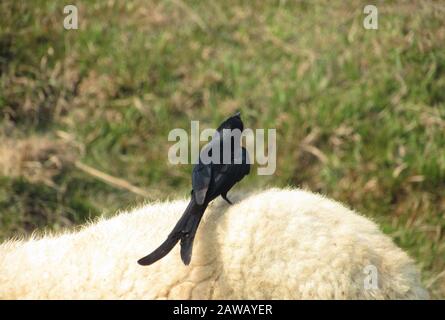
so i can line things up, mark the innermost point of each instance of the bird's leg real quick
(224, 196)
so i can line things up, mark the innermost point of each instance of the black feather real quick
(208, 182)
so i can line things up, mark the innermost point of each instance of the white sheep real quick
(275, 244)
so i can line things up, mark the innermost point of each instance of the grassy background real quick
(360, 114)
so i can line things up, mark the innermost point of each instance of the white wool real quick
(275, 244)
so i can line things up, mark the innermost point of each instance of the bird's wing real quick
(225, 176)
(201, 176)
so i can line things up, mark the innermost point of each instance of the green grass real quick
(371, 103)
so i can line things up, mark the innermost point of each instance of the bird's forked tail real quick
(184, 230)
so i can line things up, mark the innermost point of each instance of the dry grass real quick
(36, 159)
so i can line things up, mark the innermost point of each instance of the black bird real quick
(208, 182)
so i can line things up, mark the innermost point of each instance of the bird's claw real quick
(225, 198)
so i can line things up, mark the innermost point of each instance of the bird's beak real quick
(237, 115)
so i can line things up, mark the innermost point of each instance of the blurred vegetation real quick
(360, 114)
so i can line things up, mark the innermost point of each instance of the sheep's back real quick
(275, 244)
